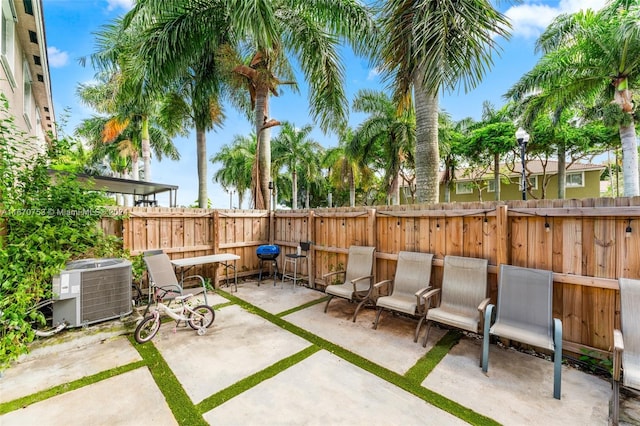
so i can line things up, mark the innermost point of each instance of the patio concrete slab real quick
(278, 298)
(518, 388)
(43, 368)
(237, 345)
(128, 399)
(390, 346)
(326, 390)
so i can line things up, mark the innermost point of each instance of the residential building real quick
(582, 181)
(24, 74)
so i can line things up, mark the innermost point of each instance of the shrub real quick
(47, 220)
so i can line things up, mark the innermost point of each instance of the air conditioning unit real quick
(92, 290)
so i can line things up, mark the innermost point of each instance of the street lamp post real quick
(523, 137)
(271, 200)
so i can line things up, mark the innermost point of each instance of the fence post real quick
(311, 270)
(502, 232)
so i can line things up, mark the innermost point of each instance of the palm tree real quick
(431, 46)
(592, 58)
(237, 160)
(347, 167)
(275, 34)
(294, 149)
(392, 132)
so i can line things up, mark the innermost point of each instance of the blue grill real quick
(268, 252)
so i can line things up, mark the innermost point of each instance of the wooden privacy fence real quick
(585, 243)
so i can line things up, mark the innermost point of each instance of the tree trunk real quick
(496, 174)
(201, 149)
(630, 160)
(352, 190)
(146, 149)
(427, 156)
(262, 176)
(294, 189)
(562, 171)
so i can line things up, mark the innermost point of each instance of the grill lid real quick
(268, 250)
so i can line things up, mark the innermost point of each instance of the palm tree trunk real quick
(496, 174)
(146, 149)
(263, 172)
(630, 171)
(427, 156)
(294, 189)
(562, 171)
(352, 190)
(201, 149)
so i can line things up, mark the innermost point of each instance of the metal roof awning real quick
(128, 186)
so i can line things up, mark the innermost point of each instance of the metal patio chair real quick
(162, 276)
(411, 281)
(524, 314)
(626, 343)
(358, 279)
(462, 298)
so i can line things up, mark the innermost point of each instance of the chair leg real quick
(426, 334)
(360, 305)
(615, 403)
(557, 358)
(484, 360)
(418, 327)
(375, 323)
(327, 305)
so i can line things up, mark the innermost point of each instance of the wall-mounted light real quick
(628, 231)
(437, 224)
(547, 226)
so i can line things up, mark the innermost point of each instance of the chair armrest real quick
(329, 274)
(618, 348)
(482, 307)
(193, 277)
(419, 300)
(365, 277)
(389, 283)
(429, 295)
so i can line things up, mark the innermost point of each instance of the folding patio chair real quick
(411, 281)
(358, 279)
(463, 296)
(524, 314)
(162, 276)
(626, 343)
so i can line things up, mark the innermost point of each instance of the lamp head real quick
(522, 135)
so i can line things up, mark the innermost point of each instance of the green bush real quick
(46, 221)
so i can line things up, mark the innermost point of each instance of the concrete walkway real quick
(309, 380)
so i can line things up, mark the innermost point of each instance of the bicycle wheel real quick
(203, 317)
(147, 328)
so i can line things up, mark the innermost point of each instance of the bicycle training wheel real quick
(203, 317)
(147, 328)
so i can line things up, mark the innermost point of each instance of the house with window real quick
(582, 180)
(24, 74)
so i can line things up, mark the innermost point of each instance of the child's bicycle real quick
(199, 318)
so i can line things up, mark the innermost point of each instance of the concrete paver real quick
(45, 368)
(518, 388)
(236, 345)
(326, 390)
(131, 398)
(278, 298)
(390, 346)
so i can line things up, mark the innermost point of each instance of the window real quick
(491, 185)
(7, 42)
(532, 181)
(27, 93)
(464, 188)
(574, 180)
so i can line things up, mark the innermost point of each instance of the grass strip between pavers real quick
(237, 388)
(402, 382)
(301, 307)
(431, 359)
(180, 404)
(16, 404)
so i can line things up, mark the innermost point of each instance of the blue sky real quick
(70, 26)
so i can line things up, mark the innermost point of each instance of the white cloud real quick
(530, 19)
(57, 58)
(124, 4)
(373, 73)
